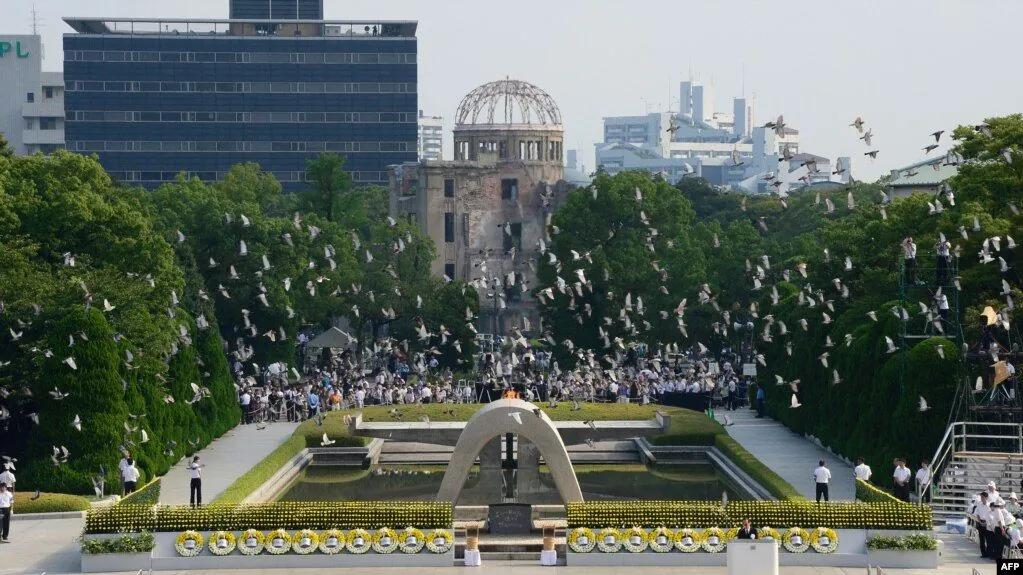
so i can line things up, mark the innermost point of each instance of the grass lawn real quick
(48, 503)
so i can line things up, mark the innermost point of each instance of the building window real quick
(47, 123)
(48, 93)
(449, 270)
(514, 240)
(509, 189)
(30, 97)
(449, 188)
(449, 227)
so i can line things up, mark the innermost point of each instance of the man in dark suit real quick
(747, 531)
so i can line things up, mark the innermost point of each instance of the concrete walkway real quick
(226, 459)
(788, 454)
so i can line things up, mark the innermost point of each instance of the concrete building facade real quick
(155, 98)
(31, 100)
(486, 210)
(430, 141)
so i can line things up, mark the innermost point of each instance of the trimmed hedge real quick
(873, 494)
(262, 471)
(285, 515)
(149, 494)
(335, 428)
(773, 513)
(756, 469)
(48, 503)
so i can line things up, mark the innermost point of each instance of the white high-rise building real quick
(31, 100)
(430, 141)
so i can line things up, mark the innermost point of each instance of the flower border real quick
(449, 541)
(832, 536)
(179, 543)
(337, 534)
(214, 540)
(714, 532)
(260, 542)
(367, 541)
(277, 534)
(631, 547)
(659, 547)
(680, 536)
(577, 533)
(314, 541)
(609, 547)
(411, 532)
(380, 547)
(786, 540)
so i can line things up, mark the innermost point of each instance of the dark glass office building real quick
(155, 98)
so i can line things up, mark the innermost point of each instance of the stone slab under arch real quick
(496, 419)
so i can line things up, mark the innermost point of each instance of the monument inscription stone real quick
(510, 518)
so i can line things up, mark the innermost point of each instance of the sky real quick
(908, 67)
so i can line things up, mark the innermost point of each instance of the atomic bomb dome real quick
(508, 102)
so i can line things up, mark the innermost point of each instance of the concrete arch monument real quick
(497, 418)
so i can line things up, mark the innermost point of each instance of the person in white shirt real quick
(981, 513)
(6, 509)
(120, 469)
(996, 531)
(901, 477)
(195, 485)
(1012, 506)
(130, 477)
(245, 400)
(8, 479)
(821, 476)
(923, 482)
(992, 494)
(909, 249)
(862, 470)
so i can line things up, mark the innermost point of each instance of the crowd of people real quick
(997, 523)
(332, 380)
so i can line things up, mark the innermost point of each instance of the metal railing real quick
(963, 436)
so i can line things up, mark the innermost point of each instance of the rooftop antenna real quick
(36, 25)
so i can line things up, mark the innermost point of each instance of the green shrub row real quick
(873, 494)
(48, 503)
(772, 513)
(915, 542)
(149, 494)
(127, 543)
(286, 515)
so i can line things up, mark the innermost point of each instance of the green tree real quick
(330, 183)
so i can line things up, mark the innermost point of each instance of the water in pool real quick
(625, 481)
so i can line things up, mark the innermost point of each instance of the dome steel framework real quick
(508, 102)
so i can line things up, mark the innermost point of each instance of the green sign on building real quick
(6, 47)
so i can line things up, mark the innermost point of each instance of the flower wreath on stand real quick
(222, 543)
(714, 540)
(796, 540)
(251, 542)
(770, 533)
(635, 540)
(661, 539)
(189, 544)
(359, 541)
(305, 542)
(824, 540)
(687, 540)
(582, 540)
(731, 534)
(385, 541)
(609, 540)
(332, 542)
(412, 540)
(439, 541)
(278, 542)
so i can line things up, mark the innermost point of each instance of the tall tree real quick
(330, 181)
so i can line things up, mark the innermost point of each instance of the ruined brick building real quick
(486, 210)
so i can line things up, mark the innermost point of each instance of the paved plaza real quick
(790, 455)
(226, 459)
